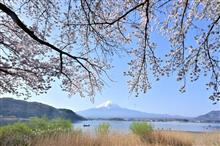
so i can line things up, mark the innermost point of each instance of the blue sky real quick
(164, 97)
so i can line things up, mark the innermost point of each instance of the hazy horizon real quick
(55, 104)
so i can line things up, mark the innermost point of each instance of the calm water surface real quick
(123, 126)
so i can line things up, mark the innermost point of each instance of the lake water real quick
(123, 126)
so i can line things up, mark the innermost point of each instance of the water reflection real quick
(123, 126)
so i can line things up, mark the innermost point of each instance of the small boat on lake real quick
(86, 125)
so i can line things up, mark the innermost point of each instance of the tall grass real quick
(142, 129)
(161, 138)
(103, 129)
(59, 132)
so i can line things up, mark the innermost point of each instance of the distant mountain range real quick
(108, 110)
(19, 109)
(209, 117)
(12, 110)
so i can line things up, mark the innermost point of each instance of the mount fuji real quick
(108, 110)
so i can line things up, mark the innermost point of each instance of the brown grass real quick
(157, 138)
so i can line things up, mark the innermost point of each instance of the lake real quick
(123, 126)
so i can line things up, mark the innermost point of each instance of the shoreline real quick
(123, 126)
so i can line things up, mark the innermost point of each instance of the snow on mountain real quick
(108, 104)
(108, 110)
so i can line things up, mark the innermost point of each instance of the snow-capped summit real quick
(108, 104)
(108, 110)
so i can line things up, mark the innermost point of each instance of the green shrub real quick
(46, 126)
(20, 134)
(142, 129)
(103, 129)
(16, 134)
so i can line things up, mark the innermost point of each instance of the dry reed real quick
(157, 138)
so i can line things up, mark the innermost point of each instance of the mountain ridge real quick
(108, 110)
(210, 116)
(21, 109)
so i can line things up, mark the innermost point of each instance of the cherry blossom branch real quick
(163, 4)
(211, 28)
(120, 17)
(183, 39)
(5, 71)
(15, 18)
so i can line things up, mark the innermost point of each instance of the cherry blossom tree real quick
(74, 41)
